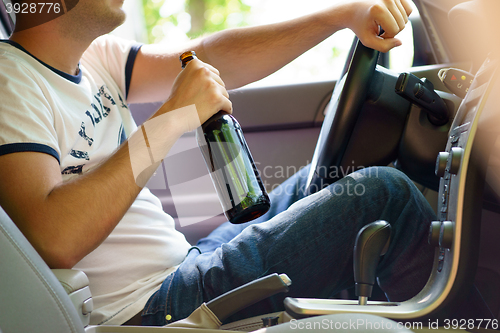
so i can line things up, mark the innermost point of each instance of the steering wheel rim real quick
(341, 118)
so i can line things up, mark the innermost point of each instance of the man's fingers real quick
(214, 72)
(224, 91)
(381, 44)
(407, 5)
(392, 16)
(227, 106)
(394, 12)
(386, 20)
(197, 63)
(219, 89)
(217, 79)
(402, 11)
(212, 68)
(209, 70)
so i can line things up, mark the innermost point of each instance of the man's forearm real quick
(248, 54)
(241, 55)
(244, 55)
(78, 215)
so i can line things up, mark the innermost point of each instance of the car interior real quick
(436, 121)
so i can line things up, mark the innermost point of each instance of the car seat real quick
(33, 300)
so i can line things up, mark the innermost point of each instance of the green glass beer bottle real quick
(230, 164)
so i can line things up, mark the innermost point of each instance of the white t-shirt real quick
(81, 120)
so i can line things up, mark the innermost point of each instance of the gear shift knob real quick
(371, 243)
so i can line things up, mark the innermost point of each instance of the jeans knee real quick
(385, 181)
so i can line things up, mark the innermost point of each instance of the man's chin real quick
(117, 20)
(121, 18)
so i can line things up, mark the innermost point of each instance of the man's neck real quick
(57, 50)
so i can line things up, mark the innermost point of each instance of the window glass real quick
(176, 21)
(401, 58)
(323, 62)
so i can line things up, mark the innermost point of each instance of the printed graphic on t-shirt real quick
(122, 137)
(83, 134)
(102, 106)
(79, 154)
(73, 170)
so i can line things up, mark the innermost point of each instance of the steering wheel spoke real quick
(338, 126)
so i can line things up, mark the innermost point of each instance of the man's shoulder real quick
(16, 63)
(104, 45)
(9, 54)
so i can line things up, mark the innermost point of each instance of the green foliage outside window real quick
(206, 16)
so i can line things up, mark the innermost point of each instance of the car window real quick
(162, 21)
(401, 58)
(174, 22)
(322, 63)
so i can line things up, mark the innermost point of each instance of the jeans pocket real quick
(154, 311)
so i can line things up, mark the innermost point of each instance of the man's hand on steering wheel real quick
(364, 17)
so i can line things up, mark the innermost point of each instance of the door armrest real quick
(76, 285)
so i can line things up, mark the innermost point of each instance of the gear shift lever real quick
(371, 243)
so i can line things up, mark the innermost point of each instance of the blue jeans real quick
(311, 239)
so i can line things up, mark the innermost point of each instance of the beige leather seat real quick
(32, 299)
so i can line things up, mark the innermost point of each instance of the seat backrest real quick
(31, 298)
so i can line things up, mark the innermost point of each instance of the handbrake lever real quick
(237, 299)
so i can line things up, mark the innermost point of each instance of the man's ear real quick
(31, 13)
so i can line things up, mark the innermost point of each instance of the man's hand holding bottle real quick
(198, 84)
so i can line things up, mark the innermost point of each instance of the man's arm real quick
(65, 221)
(245, 55)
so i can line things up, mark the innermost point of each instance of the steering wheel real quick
(344, 110)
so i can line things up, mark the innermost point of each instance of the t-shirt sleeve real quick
(26, 119)
(117, 56)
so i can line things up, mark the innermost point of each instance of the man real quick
(70, 179)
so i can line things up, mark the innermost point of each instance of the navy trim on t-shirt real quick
(130, 66)
(25, 147)
(73, 78)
